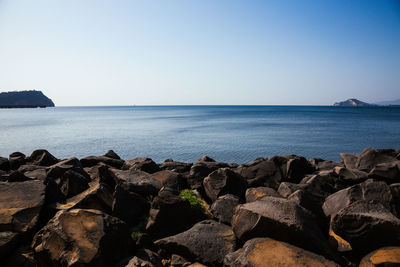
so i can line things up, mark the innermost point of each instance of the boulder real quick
(171, 179)
(95, 160)
(369, 190)
(127, 205)
(350, 176)
(141, 164)
(97, 197)
(20, 205)
(111, 154)
(42, 157)
(282, 220)
(8, 242)
(207, 242)
(263, 252)
(261, 172)
(286, 189)
(14, 176)
(57, 170)
(366, 226)
(349, 160)
(224, 181)
(255, 193)
(205, 159)
(38, 174)
(323, 184)
(389, 172)
(72, 183)
(176, 166)
(171, 214)
(395, 189)
(81, 237)
(224, 207)
(297, 168)
(200, 170)
(323, 165)
(369, 158)
(4, 164)
(16, 159)
(102, 174)
(386, 256)
(136, 181)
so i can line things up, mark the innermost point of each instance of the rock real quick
(179, 167)
(141, 164)
(142, 258)
(286, 189)
(200, 170)
(205, 159)
(369, 158)
(255, 193)
(14, 176)
(224, 181)
(297, 168)
(97, 197)
(260, 252)
(72, 183)
(58, 170)
(112, 154)
(207, 242)
(395, 189)
(178, 261)
(166, 211)
(82, 237)
(282, 220)
(366, 226)
(137, 181)
(102, 174)
(42, 157)
(22, 257)
(323, 184)
(196, 264)
(389, 172)
(95, 160)
(224, 207)
(323, 165)
(16, 159)
(127, 205)
(20, 205)
(261, 173)
(171, 179)
(4, 164)
(350, 176)
(386, 256)
(350, 160)
(369, 190)
(8, 242)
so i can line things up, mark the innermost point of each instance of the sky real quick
(208, 52)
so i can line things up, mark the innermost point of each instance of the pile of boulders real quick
(276, 211)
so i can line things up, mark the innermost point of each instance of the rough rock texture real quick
(350, 176)
(263, 252)
(367, 226)
(176, 166)
(389, 172)
(200, 170)
(261, 172)
(224, 207)
(369, 190)
(171, 179)
(387, 256)
(82, 237)
(207, 242)
(282, 220)
(141, 164)
(224, 181)
(20, 205)
(16, 159)
(95, 160)
(255, 193)
(137, 181)
(395, 189)
(171, 214)
(297, 168)
(42, 157)
(112, 154)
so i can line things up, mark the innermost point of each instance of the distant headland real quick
(25, 99)
(353, 103)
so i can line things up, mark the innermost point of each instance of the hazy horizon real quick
(116, 53)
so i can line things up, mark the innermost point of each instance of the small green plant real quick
(193, 200)
(139, 227)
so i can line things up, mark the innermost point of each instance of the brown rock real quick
(255, 193)
(20, 205)
(42, 157)
(141, 164)
(224, 207)
(297, 168)
(4, 164)
(8, 242)
(207, 242)
(389, 172)
(16, 159)
(350, 176)
(200, 170)
(369, 158)
(261, 172)
(386, 256)
(263, 252)
(82, 237)
(350, 160)
(112, 154)
(176, 166)
(95, 160)
(171, 179)
(136, 181)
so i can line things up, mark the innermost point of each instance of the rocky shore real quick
(277, 211)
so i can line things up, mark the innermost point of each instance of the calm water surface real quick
(226, 133)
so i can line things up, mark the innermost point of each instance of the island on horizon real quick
(352, 102)
(25, 99)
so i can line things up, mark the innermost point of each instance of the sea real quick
(184, 133)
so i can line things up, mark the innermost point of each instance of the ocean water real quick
(226, 133)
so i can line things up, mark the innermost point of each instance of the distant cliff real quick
(25, 99)
(353, 103)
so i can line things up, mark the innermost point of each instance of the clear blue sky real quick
(167, 52)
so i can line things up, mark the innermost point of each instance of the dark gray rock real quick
(8, 242)
(255, 193)
(4, 164)
(395, 189)
(207, 242)
(350, 176)
(136, 181)
(171, 179)
(205, 159)
(141, 164)
(261, 172)
(95, 160)
(42, 157)
(224, 207)
(17, 159)
(112, 154)
(201, 170)
(286, 189)
(176, 166)
(388, 172)
(369, 158)
(297, 168)
(224, 181)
